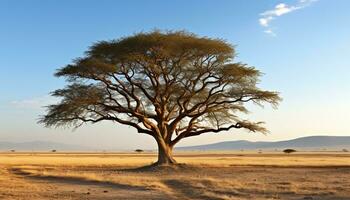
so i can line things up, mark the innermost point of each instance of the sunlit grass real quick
(212, 159)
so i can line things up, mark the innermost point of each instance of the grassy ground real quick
(206, 176)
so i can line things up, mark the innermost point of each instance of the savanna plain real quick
(211, 175)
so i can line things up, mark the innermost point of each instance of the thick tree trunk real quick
(165, 154)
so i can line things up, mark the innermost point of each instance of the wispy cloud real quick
(279, 10)
(270, 32)
(35, 102)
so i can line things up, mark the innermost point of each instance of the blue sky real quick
(302, 46)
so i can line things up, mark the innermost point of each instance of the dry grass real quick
(208, 176)
(212, 159)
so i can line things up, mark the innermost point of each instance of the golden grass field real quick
(215, 175)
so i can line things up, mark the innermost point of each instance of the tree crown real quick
(170, 85)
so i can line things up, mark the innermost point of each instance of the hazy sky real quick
(302, 46)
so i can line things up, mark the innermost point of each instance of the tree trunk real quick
(165, 154)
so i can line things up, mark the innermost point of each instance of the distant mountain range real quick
(41, 146)
(303, 143)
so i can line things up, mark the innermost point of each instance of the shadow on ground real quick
(74, 180)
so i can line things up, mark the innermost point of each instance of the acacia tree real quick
(169, 85)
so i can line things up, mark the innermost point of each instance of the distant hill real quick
(41, 146)
(305, 143)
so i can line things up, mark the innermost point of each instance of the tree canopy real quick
(170, 85)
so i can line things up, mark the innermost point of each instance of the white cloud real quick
(279, 10)
(270, 32)
(34, 103)
(265, 21)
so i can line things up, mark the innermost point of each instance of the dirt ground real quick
(205, 176)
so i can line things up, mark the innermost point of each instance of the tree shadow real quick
(173, 168)
(75, 180)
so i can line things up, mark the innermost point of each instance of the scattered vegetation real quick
(138, 150)
(288, 151)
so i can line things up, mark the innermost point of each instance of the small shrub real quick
(53, 151)
(13, 150)
(138, 150)
(288, 151)
(345, 150)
